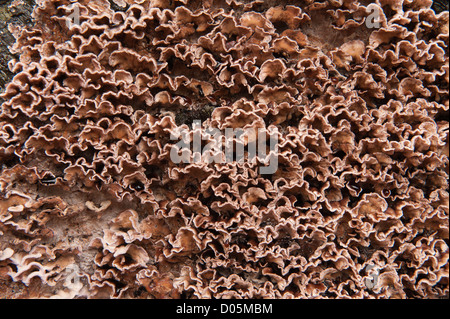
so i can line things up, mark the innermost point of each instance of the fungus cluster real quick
(91, 205)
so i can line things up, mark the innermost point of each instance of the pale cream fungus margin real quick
(92, 206)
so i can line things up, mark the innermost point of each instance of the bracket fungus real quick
(92, 206)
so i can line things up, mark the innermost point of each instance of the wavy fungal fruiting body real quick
(91, 204)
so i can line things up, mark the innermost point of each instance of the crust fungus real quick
(357, 208)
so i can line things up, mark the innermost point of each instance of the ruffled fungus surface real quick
(91, 205)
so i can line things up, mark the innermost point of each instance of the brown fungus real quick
(93, 206)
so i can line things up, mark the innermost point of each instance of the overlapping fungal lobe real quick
(93, 205)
